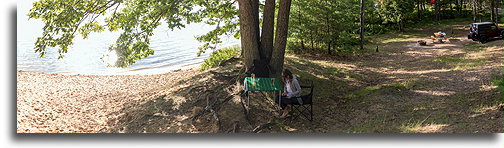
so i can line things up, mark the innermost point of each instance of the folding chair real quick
(305, 109)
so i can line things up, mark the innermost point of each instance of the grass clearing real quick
(461, 63)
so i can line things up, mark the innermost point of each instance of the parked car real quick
(484, 31)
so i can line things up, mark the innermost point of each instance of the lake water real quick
(173, 50)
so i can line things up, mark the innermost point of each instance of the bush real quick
(218, 56)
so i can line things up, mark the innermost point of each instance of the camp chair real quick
(305, 109)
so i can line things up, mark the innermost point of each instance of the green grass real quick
(496, 80)
(475, 46)
(461, 63)
(447, 59)
(365, 93)
(218, 56)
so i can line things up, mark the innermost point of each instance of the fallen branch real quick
(245, 111)
(262, 126)
(216, 117)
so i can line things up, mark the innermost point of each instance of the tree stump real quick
(422, 43)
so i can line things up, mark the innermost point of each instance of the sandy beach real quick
(57, 103)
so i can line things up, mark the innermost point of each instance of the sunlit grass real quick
(461, 63)
(218, 56)
(420, 127)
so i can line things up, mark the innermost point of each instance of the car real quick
(484, 31)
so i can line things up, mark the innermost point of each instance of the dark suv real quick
(484, 31)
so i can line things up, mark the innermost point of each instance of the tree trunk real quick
(457, 5)
(480, 11)
(419, 10)
(474, 10)
(301, 30)
(248, 32)
(329, 47)
(492, 5)
(302, 44)
(438, 11)
(312, 44)
(255, 12)
(497, 13)
(277, 58)
(267, 30)
(361, 26)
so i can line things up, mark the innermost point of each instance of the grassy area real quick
(219, 56)
(461, 63)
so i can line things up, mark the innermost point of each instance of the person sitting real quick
(292, 91)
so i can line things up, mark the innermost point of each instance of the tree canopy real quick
(136, 19)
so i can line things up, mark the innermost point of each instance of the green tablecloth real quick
(262, 84)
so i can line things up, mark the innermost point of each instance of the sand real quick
(56, 103)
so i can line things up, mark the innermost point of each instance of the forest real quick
(333, 26)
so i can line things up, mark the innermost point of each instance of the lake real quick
(173, 50)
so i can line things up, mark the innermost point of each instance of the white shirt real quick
(292, 89)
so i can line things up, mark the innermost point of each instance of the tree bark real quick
(255, 12)
(277, 57)
(492, 4)
(497, 13)
(248, 32)
(419, 10)
(329, 47)
(474, 10)
(301, 30)
(267, 30)
(361, 26)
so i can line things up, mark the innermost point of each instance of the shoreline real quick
(186, 67)
(61, 103)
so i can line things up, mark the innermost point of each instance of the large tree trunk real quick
(277, 58)
(249, 32)
(267, 30)
(255, 12)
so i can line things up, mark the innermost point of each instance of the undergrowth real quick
(218, 56)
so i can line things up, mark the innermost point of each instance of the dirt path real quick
(448, 88)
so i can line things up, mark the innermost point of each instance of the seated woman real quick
(292, 91)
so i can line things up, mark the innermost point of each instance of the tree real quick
(137, 19)
(396, 11)
(362, 25)
(277, 57)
